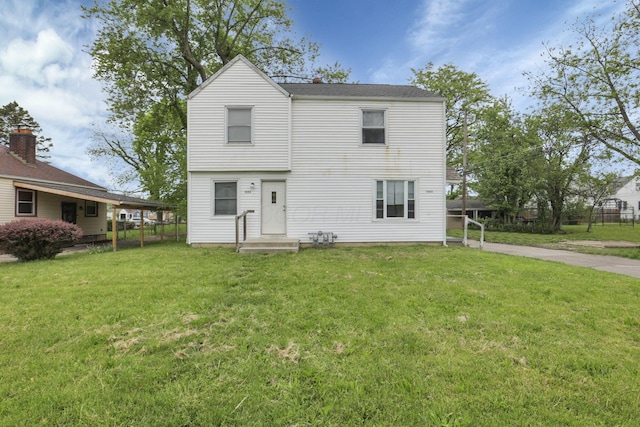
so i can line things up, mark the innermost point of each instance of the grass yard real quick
(171, 335)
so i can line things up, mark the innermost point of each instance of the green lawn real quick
(170, 335)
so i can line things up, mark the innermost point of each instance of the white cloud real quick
(28, 58)
(44, 69)
(433, 30)
(473, 35)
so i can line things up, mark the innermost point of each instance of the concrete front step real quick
(269, 245)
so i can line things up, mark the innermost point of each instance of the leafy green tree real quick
(564, 154)
(155, 150)
(466, 95)
(598, 79)
(13, 116)
(594, 188)
(503, 161)
(150, 55)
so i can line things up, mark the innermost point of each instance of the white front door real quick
(274, 207)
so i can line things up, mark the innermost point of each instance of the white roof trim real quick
(230, 64)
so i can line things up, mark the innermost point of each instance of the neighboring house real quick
(475, 209)
(366, 162)
(30, 188)
(627, 196)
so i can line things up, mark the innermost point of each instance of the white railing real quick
(468, 220)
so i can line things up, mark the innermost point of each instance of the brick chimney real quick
(22, 142)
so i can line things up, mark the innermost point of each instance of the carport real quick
(117, 201)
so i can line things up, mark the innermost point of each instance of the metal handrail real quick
(243, 215)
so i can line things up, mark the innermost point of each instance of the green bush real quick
(32, 239)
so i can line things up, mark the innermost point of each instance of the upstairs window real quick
(395, 199)
(25, 202)
(373, 127)
(225, 198)
(239, 120)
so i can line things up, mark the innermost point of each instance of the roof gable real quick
(227, 67)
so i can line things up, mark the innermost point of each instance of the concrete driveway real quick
(612, 264)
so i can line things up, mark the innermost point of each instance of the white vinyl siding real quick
(316, 147)
(207, 144)
(333, 178)
(204, 227)
(629, 194)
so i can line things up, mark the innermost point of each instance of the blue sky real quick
(44, 68)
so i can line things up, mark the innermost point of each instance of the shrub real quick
(31, 239)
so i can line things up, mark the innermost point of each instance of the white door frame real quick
(273, 205)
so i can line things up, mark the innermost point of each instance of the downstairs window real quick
(25, 202)
(395, 199)
(225, 198)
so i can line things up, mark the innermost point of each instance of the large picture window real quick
(395, 199)
(225, 198)
(373, 127)
(25, 202)
(239, 125)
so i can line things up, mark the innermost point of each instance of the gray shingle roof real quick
(357, 90)
(12, 166)
(96, 193)
(453, 175)
(48, 177)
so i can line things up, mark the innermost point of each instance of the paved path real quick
(612, 264)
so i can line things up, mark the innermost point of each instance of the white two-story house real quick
(627, 195)
(365, 162)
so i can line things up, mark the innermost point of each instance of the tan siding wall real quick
(49, 206)
(7, 201)
(207, 147)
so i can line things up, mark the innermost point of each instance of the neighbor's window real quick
(395, 199)
(225, 198)
(25, 202)
(90, 208)
(239, 124)
(373, 127)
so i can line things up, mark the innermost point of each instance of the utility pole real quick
(464, 167)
